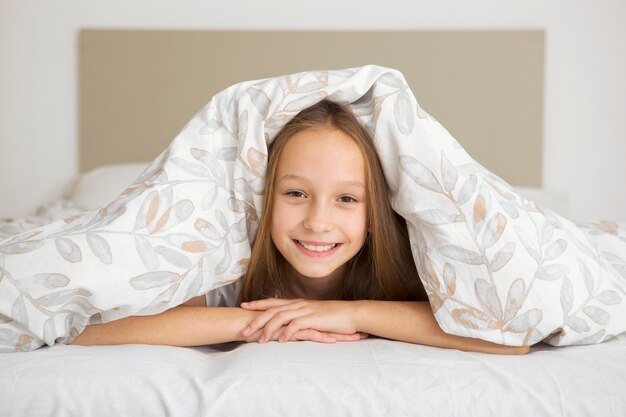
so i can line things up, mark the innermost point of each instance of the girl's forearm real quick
(179, 326)
(413, 321)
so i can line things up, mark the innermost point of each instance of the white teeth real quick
(317, 248)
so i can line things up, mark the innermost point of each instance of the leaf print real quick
(594, 338)
(461, 254)
(547, 230)
(243, 126)
(449, 279)
(243, 189)
(257, 185)
(391, 80)
(196, 246)
(173, 257)
(68, 250)
(304, 102)
(61, 297)
(403, 113)
(183, 209)
(162, 221)
(502, 257)
(153, 280)
(238, 231)
(209, 198)
(552, 272)
(18, 312)
(527, 243)
(473, 319)
(449, 173)
(511, 208)
(493, 230)
(436, 301)
(177, 239)
(189, 168)
(525, 322)
(515, 295)
(419, 173)
(7, 337)
(310, 86)
(488, 297)
(221, 219)
(587, 274)
(609, 297)
(148, 206)
(597, 314)
(41, 282)
(146, 253)
(432, 277)
(555, 249)
(208, 230)
(49, 331)
(567, 296)
(260, 99)
(21, 247)
(227, 154)
(467, 190)
(225, 262)
(435, 217)
(240, 267)
(577, 324)
(210, 127)
(100, 248)
(256, 160)
(479, 212)
(235, 205)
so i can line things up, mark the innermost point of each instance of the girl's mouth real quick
(317, 250)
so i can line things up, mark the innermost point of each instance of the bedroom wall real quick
(585, 91)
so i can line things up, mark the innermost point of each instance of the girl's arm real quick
(183, 325)
(414, 321)
(191, 324)
(409, 321)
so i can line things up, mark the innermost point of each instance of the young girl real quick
(331, 260)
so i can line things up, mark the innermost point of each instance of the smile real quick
(316, 249)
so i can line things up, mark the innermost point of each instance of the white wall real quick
(585, 87)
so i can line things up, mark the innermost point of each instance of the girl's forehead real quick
(321, 151)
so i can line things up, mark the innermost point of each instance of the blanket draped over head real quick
(495, 266)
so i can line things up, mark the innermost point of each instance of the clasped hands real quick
(324, 321)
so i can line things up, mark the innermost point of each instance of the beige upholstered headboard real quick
(138, 88)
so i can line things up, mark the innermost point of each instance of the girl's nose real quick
(318, 219)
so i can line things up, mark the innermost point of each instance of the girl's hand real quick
(310, 335)
(297, 315)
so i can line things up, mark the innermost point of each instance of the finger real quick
(294, 327)
(262, 319)
(266, 303)
(278, 320)
(313, 336)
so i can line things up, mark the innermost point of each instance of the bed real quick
(374, 376)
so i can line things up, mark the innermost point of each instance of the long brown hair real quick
(383, 269)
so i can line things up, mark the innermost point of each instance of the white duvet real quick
(495, 265)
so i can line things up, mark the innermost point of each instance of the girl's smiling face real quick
(319, 213)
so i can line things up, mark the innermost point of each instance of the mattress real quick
(371, 377)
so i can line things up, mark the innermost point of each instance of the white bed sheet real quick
(372, 377)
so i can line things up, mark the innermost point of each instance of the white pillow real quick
(98, 187)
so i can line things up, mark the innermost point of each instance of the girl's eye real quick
(297, 194)
(347, 199)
